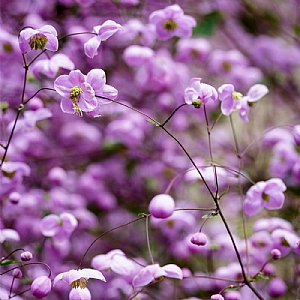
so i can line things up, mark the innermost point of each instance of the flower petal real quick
(91, 46)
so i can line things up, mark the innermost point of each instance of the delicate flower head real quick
(78, 280)
(230, 99)
(171, 21)
(43, 38)
(58, 227)
(79, 92)
(103, 32)
(41, 287)
(199, 239)
(198, 93)
(268, 194)
(155, 273)
(162, 206)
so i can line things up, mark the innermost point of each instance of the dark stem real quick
(172, 114)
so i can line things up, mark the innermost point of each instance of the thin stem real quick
(41, 89)
(148, 240)
(172, 114)
(104, 233)
(4, 258)
(210, 153)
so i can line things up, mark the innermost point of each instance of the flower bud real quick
(199, 239)
(17, 273)
(26, 256)
(276, 254)
(41, 287)
(14, 197)
(162, 206)
(216, 297)
(277, 287)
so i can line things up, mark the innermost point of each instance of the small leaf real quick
(209, 216)
(153, 122)
(208, 25)
(7, 262)
(224, 193)
(234, 288)
(262, 276)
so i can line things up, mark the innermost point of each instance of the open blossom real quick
(233, 100)
(43, 38)
(198, 93)
(59, 227)
(154, 273)
(268, 194)
(171, 21)
(50, 67)
(79, 92)
(103, 32)
(78, 280)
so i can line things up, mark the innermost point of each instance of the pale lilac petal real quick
(108, 28)
(173, 271)
(190, 94)
(87, 100)
(225, 91)
(50, 225)
(256, 92)
(58, 277)
(101, 262)
(91, 46)
(48, 29)
(96, 78)
(24, 38)
(62, 61)
(71, 276)
(276, 201)
(77, 78)
(69, 222)
(9, 234)
(52, 43)
(90, 273)
(143, 278)
(66, 106)
(108, 91)
(80, 294)
(121, 265)
(275, 184)
(62, 85)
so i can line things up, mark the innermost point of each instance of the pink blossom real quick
(103, 32)
(41, 287)
(154, 273)
(58, 227)
(43, 38)
(162, 206)
(198, 93)
(171, 21)
(268, 194)
(79, 92)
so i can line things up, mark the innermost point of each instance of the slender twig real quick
(172, 114)
(148, 240)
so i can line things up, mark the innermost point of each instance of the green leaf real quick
(262, 276)
(234, 288)
(7, 262)
(296, 29)
(208, 25)
(209, 216)
(224, 193)
(153, 122)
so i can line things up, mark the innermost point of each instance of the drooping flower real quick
(230, 99)
(58, 227)
(171, 21)
(42, 38)
(41, 287)
(78, 280)
(114, 260)
(268, 194)
(50, 67)
(155, 273)
(162, 206)
(79, 92)
(198, 93)
(103, 32)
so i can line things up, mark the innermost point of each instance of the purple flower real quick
(79, 92)
(114, 260)
(171, 21)
(268, 194)
(230, 99)
(103, 32)
(41, 287)
(198, 93)
(50, 67)
(43, 38)
(199, 239)
(58, 227)
(277, 287)
(135, 55)
(162, 206)
(78, 280)
(155, 273)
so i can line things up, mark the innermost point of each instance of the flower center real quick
(197, 103)
(266, 197)
(237, 95)
(170, 25)
(38, 41)
(226, 65)
(79, 283)
(74, 96)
